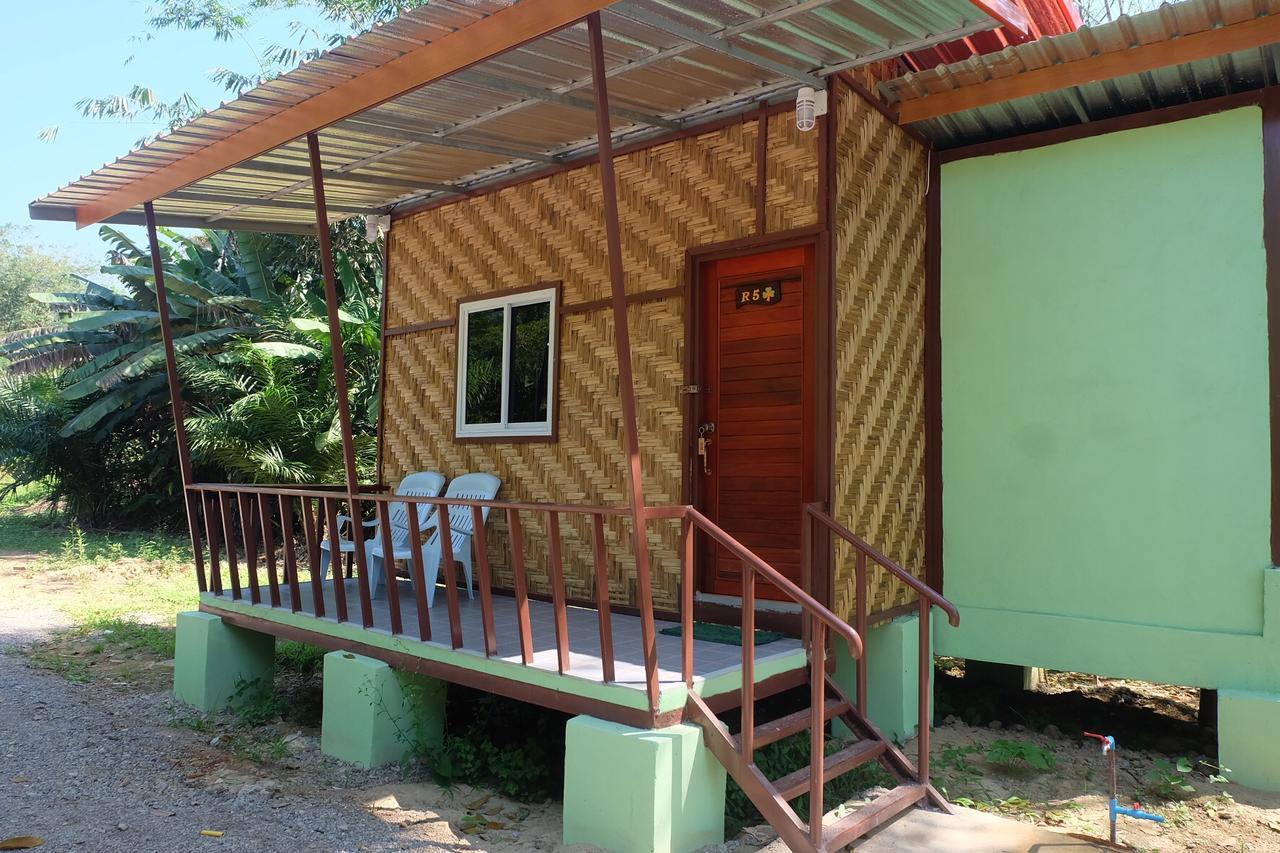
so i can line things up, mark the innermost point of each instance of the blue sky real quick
(60, 51)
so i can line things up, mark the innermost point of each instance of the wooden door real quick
(756, 408)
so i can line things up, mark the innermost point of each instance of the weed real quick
(71, 668)
(201, 723)
(299, 658)
(255, 703)
(1168, 781)
(956, 758)
(791, 753)
(1016, 753)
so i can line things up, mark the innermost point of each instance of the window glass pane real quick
(528, 371)
(484, 367)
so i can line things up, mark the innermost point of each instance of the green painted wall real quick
(1106, 470)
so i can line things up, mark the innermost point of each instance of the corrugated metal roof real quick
(1179, 84)
(672, 63)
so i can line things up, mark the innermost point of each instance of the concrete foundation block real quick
(1247, 741)
(641, 790)
(375, 715)
(891, 654)
(216, 664)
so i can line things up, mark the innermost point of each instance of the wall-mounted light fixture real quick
(809, 105)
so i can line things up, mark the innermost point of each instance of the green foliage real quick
(1168, 780)
(785, 756)
(225, 21)
(1016, 753)
(85, 404)
(27, 269)
(122, 472)
(517, 749)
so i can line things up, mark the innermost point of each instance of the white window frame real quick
(542, 429)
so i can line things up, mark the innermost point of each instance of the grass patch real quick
(71, 668)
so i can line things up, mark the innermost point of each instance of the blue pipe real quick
(1116, 809)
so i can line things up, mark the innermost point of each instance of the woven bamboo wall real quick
(879, 234)
(681, 194)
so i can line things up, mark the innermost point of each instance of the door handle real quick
(704, 441)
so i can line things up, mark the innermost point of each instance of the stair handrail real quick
(936, 598)
(780, 581)
(927, 598)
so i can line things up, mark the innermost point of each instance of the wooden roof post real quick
(340, 387)
(622, 343)
(175, 394)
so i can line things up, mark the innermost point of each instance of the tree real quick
(226, 21)
(26, 269)
(85, 404)
(1095, 12)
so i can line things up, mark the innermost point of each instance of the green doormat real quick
(724, 634)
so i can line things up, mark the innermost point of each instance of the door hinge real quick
(691, 389)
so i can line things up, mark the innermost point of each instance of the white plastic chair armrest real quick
(346, 519)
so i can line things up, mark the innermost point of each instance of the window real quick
(507, 365)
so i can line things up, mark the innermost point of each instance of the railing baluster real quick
(860, 625)
(817, 725)
(748, 662)
(193, 525)
(365, 592)
(521, 583)
(212, 521)
(688, 540)
(601, 560)
(335, 559)
(481, 547)
(450, 573)
(229, 534)
(269, 549)
(556, 571)
(249, 533)
(383, 510)
(289, 552)
(416, 571)
(311, 532)
(806, 565)
(925, 707)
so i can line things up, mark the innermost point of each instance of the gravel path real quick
(93, 769)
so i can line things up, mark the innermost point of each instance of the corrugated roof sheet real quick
(1163, 87)
(521, 110)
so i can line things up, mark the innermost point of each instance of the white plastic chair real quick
(422, 484)
(475, 487)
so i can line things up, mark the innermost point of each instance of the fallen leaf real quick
(477, 802)
(21, 842)
(212, 833)
(19, 780)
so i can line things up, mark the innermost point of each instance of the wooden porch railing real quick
(927, 598)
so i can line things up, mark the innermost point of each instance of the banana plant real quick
(224, 289)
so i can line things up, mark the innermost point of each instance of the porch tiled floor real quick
(584, 634)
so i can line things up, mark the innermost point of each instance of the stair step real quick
(873, 814)
(767, 733)
(794, 784)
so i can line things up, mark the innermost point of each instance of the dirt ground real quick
(104, 760)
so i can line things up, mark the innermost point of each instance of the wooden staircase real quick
(773, 797)
(817, 832)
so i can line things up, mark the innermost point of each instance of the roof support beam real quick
(1247, 35)
(719, 45)
(487, 37)
(241, 202)
(666, 53)
(64, 213)
(370, 124)
(537, 93)
(341, 176)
